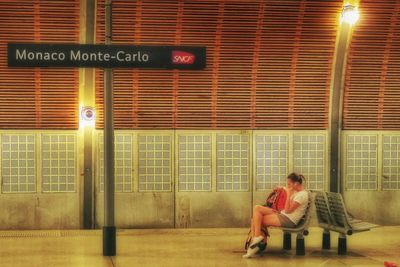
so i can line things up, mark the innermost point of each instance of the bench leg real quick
(342, 245)
(287, 241)
(300, 247)
(326, 239)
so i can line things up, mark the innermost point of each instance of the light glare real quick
(87, 117)
(350, 14)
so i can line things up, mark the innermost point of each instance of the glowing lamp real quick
(88, 116)
(350, 14)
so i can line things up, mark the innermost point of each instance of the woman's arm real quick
(293, 205)
(290, 205)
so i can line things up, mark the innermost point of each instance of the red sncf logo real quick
(181, 57)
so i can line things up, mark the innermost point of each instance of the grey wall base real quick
(40, 211)
(219, 209)
(139, 210)
(379, 207)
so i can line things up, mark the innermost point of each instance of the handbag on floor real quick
(262, 245)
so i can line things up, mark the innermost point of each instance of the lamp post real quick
(348, 17)
(109, 230)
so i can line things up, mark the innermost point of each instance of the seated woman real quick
(295, 208)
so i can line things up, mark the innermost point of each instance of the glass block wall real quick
(272, 164)
(220, 161)
(391, 162)
(18, 163)
(58, 162)
(38, 162)
(361, 169)
(371, 160)
(233, 160)
(123, 162)
(194, 162)
(155, 162)
(278, 154)
(309, 158)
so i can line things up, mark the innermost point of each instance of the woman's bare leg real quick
(271, 220)
(258, 213)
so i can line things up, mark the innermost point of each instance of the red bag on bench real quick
(277, 199)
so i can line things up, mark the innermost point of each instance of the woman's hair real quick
(294, 177)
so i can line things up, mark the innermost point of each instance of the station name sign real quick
(106, 56)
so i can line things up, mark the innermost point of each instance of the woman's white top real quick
(300, 197)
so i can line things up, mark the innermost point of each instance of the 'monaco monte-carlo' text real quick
(77, 55)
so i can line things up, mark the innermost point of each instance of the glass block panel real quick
(194, 159)
(123, 162)
(18, 163)
(155, 163)
(309, 159)
(232, 162)
(361, 159)
(271, 161)
(58, 162)
(391, 162)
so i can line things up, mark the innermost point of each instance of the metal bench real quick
(323, 217)
(333, 216)
(301, 230)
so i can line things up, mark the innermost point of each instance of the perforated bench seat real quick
(361, 226)
(333, 216)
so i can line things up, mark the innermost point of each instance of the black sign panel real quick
(106, 56)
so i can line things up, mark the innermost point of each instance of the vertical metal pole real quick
(336, 105)
(88, 97)
(109, 230)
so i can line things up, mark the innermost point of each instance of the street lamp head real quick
(350, 14)
(88, 116)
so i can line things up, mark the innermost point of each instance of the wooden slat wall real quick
(268, 64)
(372, 85)
(294, 71)
(38, 98)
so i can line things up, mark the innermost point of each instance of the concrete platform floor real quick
(189, 247)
